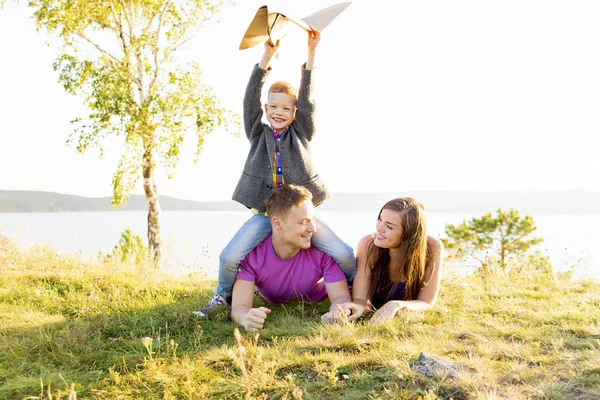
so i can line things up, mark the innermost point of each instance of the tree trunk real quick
(151, 191)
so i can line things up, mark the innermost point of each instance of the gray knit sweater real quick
(294, 146)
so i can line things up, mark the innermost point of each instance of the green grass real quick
(69, 327)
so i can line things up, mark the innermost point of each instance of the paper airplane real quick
(271, 26)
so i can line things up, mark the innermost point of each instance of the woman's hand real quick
(387, 312)
(356, 310)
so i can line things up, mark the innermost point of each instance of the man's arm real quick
(253, 110)
(252, 319)
(338, 294)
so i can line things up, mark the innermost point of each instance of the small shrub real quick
(130, 249)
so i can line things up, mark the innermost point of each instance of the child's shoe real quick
(216, 302)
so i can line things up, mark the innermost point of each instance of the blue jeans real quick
(256, 229)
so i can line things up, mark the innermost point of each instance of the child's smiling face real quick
(281, 110)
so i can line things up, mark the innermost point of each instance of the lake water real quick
(193, 239)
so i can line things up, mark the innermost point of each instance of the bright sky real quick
(412, 95)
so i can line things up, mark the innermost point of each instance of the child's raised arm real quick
(314, 37)
(253, 110)
(305, 106)
(271, 51)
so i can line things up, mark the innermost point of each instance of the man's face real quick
(281, 110)
(298, 226)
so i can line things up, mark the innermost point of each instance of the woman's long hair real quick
(413, 254)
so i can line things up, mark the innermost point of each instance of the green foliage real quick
(129, 249)
(534, 263)
(492, 239)
(122, 59)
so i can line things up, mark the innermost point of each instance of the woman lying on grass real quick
(398, 266)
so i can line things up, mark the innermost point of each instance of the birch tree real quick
(122, 58)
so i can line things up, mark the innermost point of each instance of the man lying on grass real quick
(284, 266)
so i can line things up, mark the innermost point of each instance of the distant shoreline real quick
(526, 201)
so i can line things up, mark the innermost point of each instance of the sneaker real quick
(214, 303)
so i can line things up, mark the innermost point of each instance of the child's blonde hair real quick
(284, 87)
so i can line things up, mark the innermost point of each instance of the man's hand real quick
(337, 315)
(387, 312)
(255, 319)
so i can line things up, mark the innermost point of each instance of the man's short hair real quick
(284, 87)
(284, 197)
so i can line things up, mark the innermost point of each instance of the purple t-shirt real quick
(302, 276)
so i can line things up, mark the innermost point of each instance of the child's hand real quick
(314, 36)
(271, 49)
